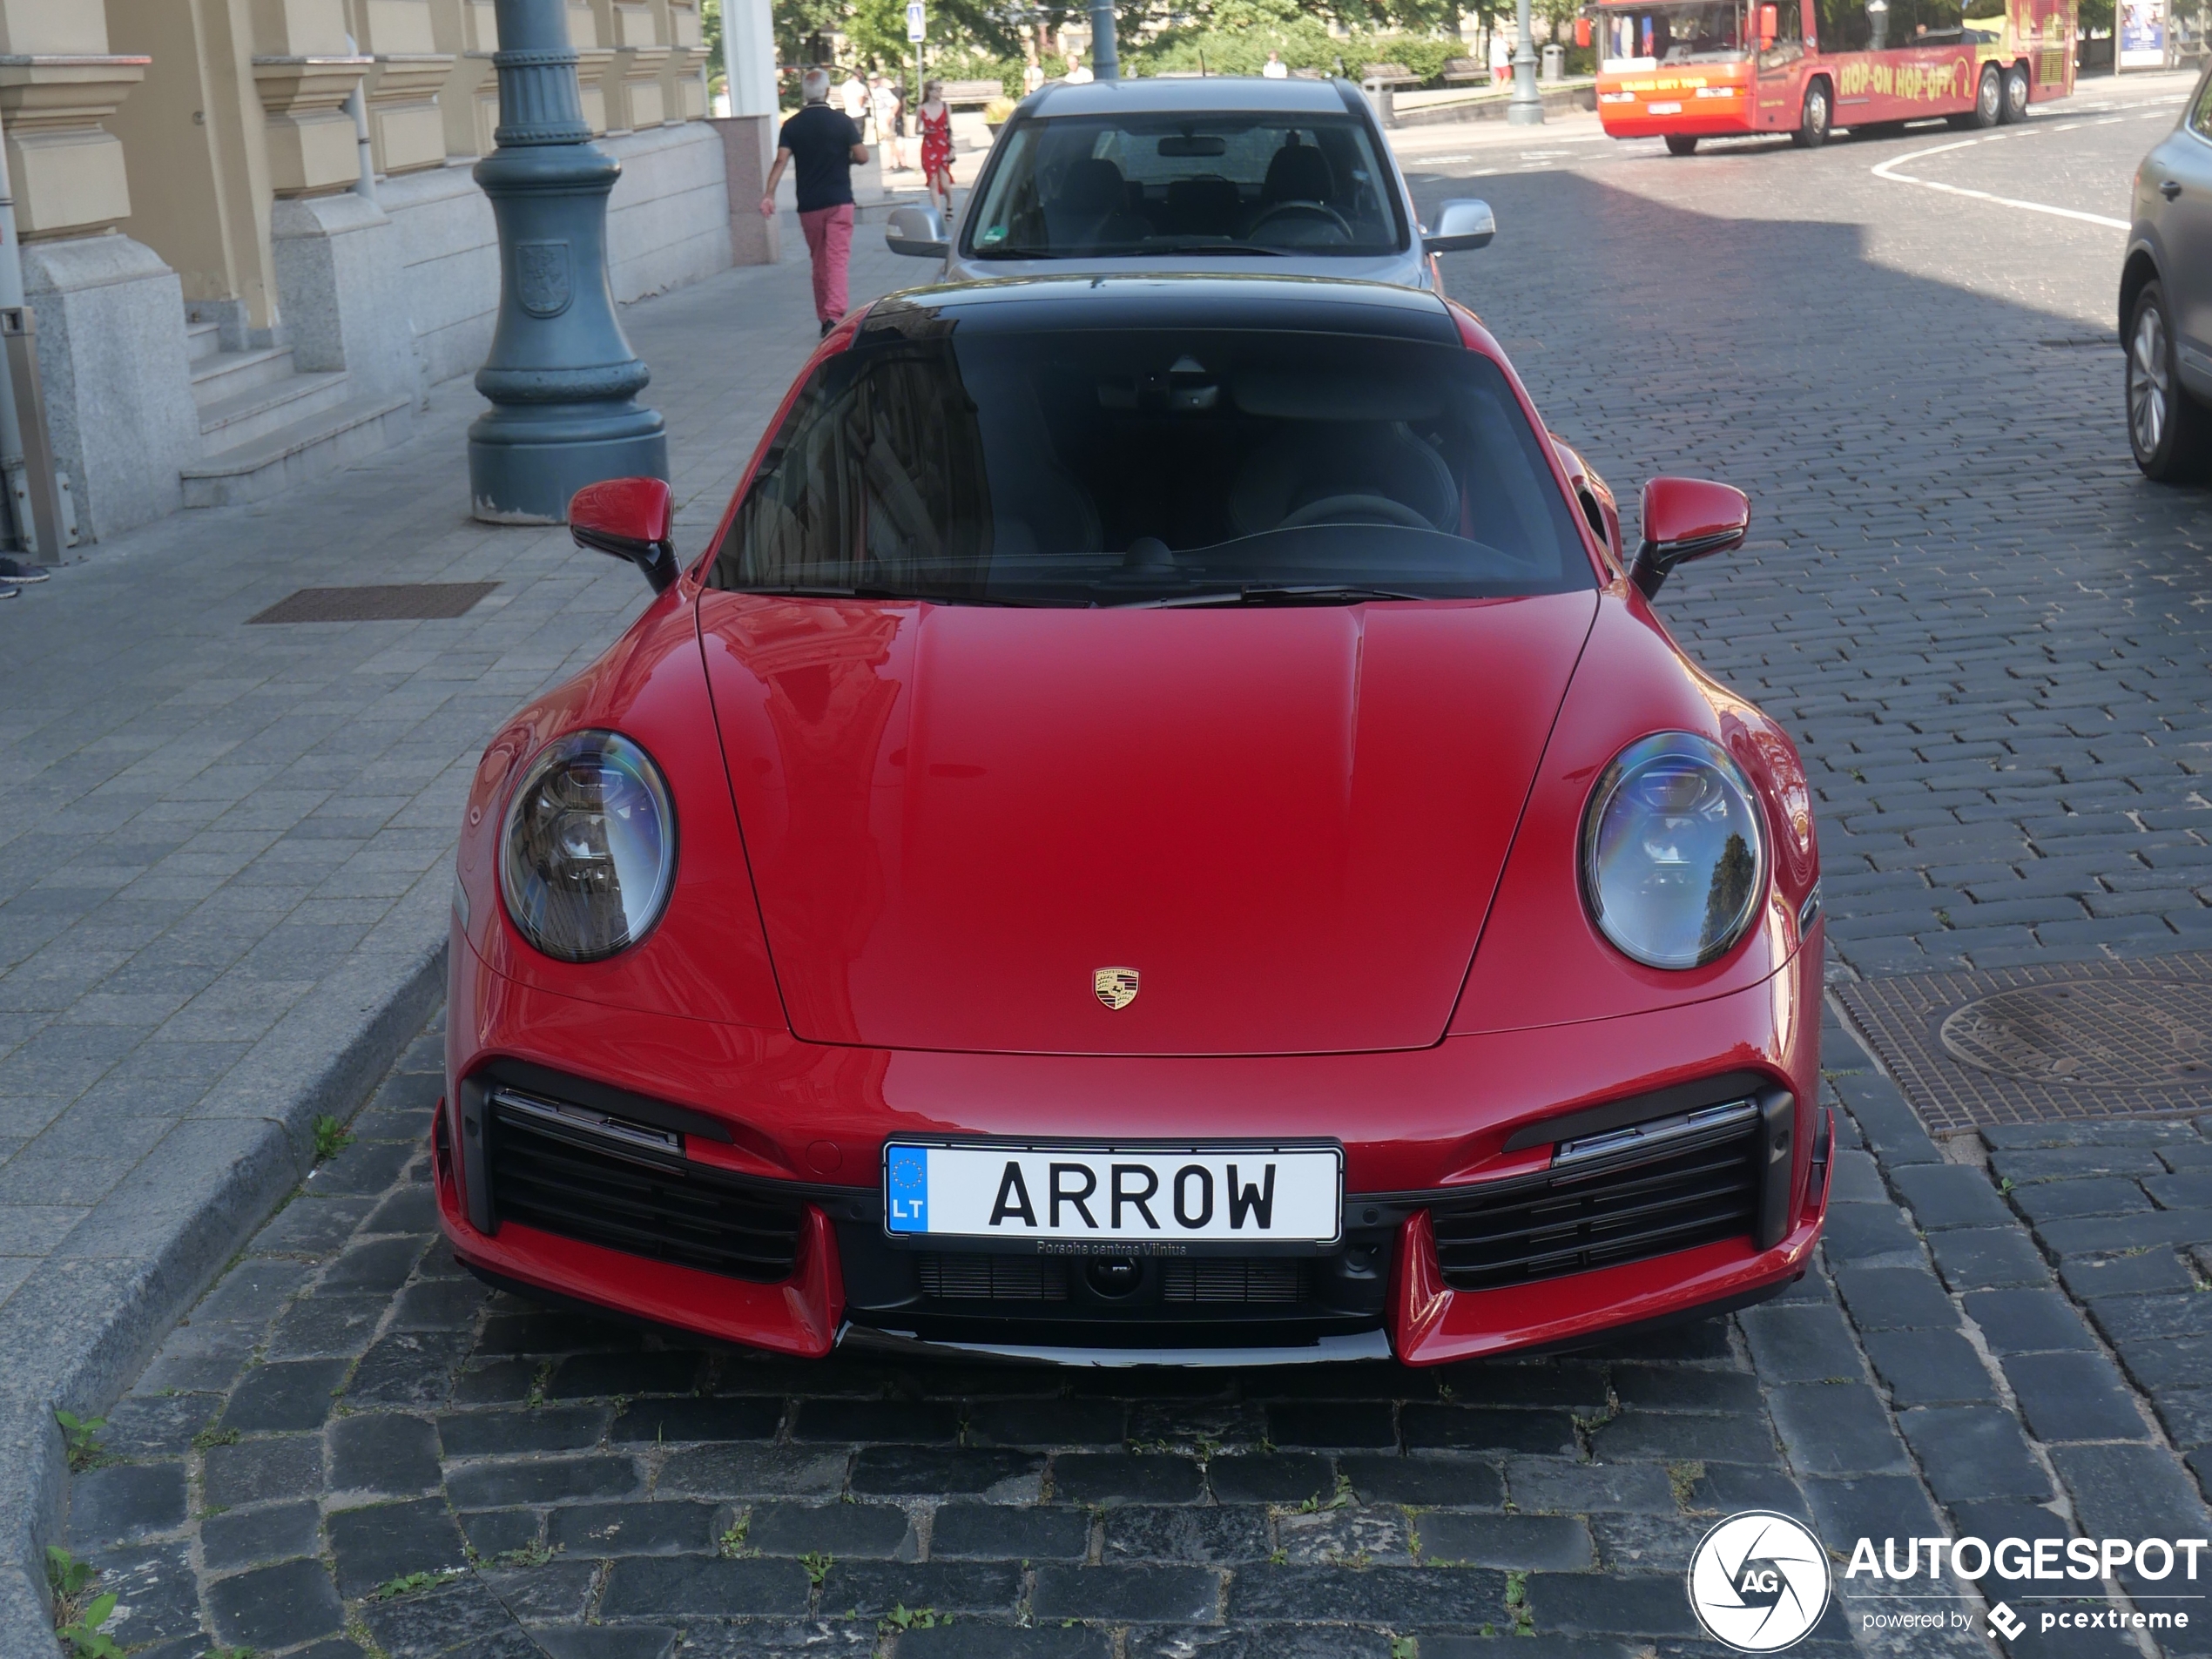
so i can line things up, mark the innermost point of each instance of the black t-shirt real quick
(820, 140)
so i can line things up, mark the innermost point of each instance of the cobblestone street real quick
(1988, 634)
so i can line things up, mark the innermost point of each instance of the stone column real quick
(594, 55)
(470, 99)
(631, 79)
(404, 121)
(684, 77)
(111, 313)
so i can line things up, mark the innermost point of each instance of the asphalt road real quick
(1983, 626)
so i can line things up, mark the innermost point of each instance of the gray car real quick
(1200, 173)
(2166, 300)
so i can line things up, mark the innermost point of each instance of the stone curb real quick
(88, 1319)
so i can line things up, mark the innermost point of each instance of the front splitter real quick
(1328, 1350)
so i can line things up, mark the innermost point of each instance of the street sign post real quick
(917, 25)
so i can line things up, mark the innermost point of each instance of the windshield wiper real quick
(809, 591)
(1316, 593)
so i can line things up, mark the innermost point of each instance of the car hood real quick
(1405, 269)
(1286, 823)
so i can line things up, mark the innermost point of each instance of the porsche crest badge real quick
(1116, 987)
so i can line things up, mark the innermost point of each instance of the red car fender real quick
(708, 956)
(1541, 960)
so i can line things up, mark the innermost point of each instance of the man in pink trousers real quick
(825, 145)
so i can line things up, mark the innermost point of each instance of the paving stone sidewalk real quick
(223, 879)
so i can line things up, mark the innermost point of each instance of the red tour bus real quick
(1696, 68)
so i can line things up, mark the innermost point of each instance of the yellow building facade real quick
(228, 298)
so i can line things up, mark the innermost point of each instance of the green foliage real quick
(732, 1543)
(210, 1437)
(818, 1566)
(75, 1622)
(902, 1617)
(1404, 1648)
(1524, 1620)
(83, 1436)
(332, 1137)
(411, 1584)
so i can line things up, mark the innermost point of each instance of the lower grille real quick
(558, 1180)
(1232, 1281)
(1694, 1190)
(991, 1279)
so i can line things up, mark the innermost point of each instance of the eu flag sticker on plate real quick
(907, 1187)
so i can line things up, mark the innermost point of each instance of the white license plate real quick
(1662, 109)
(1095, 1196)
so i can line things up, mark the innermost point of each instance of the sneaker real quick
(11, 593)
(14, 570)
(827, 324)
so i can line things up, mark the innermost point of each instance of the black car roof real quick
(1194, 94)
(1193, 300)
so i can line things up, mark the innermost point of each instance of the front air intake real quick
(628, 1186)
(1695, 1179)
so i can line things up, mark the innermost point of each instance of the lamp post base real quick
(1525, 113)
(523, 470)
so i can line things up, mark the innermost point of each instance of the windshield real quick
(1151, 183)
(1130, 467)
(1710, 31)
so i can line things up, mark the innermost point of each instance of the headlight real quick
(1674, 852)
(587, 853)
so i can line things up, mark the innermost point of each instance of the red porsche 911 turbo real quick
(1164, 828)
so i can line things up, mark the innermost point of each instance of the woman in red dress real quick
(937, 120)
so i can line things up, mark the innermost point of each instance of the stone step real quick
(257, 410)
(326, 442)
(223, 374)
(202, 340)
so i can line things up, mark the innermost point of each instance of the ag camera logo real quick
(1758, 1582)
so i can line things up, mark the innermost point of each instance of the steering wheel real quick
(1320, 211)
(1337, 508)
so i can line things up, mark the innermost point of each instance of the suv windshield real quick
(1710, 31)
(1153, 184)
(1132, 467)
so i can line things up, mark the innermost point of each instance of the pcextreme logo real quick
(1758, 1582)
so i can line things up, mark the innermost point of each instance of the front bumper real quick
(1430, 1137)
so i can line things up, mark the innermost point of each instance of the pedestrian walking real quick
(853, 96)
(890, 120)
(1032, 77)
(1077, 75)
(1501, 58)
(1275, 68)
(936, 122)
(825, 145)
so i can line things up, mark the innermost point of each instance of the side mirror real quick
(1686, 519)
(1582, 31)
(918, 232)
(630, 519)
(1769, 27)
(1461, 226)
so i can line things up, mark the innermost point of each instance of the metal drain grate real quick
(2026, 1045)
(406, 602)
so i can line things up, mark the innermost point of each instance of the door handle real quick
(2170, 189)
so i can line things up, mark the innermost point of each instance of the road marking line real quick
(1885, 171)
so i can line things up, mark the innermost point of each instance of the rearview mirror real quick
(1582, 31)
(1686, 519)
(1769, 27)
(918, 232)
(1461, 226)
(630, 519)
(1185, 144)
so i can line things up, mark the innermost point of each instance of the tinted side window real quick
(2201, 109)
(1844, 26)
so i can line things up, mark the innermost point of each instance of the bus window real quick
(1848, 25)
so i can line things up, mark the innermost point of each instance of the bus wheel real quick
(1989, 99)
(1813, 122)
(2015, 106)
(2170, 434)
(1682, 144)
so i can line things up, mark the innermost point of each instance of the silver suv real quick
(1288, 178)
(2166, 300)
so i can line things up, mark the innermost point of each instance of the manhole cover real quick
(2033, 1043)
(406, 602)
(2143, 1035)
